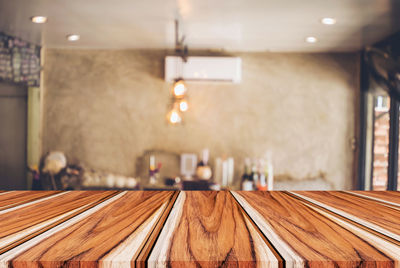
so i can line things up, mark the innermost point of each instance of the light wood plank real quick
(368, 213)
(209, 229)
(390, 198)
(112, 235)
(305, 237)
(15, 198)
(19, 224)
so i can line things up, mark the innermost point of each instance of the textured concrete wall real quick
(105, 108)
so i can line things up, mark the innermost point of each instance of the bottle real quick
(255, 174)
(247, 179)
(262, 173)
(262, 186)
(152, 170)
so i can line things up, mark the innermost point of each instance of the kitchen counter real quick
(199, 229)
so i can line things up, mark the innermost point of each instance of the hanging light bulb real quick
(174, 117)
(183, 105)
(179, 89)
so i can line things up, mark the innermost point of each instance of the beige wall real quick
(105, 108)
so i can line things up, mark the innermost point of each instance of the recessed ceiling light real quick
(38, 19)
(328, 21)
(311, 39)
(73, 37)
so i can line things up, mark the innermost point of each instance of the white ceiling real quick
(232, 25)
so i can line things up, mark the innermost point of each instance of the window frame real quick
(366, 135)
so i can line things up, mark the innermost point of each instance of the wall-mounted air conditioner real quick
(219, 69)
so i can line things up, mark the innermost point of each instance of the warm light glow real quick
(328, 21)
(183, 105)
(38, 19)
(179, 89)
(311, 39)
(174, 117)
(73, 37)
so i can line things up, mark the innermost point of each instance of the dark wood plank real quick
(209, 229)
(15, 198)
(369, 213)
(110, 234)
(304, 236)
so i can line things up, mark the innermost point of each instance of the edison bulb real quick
(183, 106)
(174, 117)
(179, 89)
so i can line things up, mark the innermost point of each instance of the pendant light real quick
(179, 103)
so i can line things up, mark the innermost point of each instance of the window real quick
(379, 153)
(378, 162)
(380, 143)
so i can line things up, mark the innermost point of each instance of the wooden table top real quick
(199, 229)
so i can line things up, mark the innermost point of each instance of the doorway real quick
(13, 134)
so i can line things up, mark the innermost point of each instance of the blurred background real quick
(199, 95)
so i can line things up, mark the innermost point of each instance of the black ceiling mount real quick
(180, 48)
(385, 70)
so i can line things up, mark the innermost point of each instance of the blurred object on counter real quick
(270, 170)
(71, 179)
(215, 187)
(172, 181)
(188, 166)
(91, 179)
(51, 167)
(247, 180)
(217, 174)
(203, 170)
(231, 171)
(192, 185)
(255, 173)
(54, 162)
(170, 165)
(154, 172)
(261, 175)
(224, 171)
(54, 173)
(36, 183)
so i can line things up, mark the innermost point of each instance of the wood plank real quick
(141, 260)
(209, 229)
(15, 198)
(18, 224)
(390, 198)
(368, 213)
(109, 234)
(305, 237)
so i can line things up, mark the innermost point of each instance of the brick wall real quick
(381, 148)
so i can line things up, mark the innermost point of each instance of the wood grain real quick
(17, 225)
(305, 237)
(15, 198)
(368, 213)
(209, 229)
(109, 235)
(390, 198)
(199, 229)
(141, 260)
